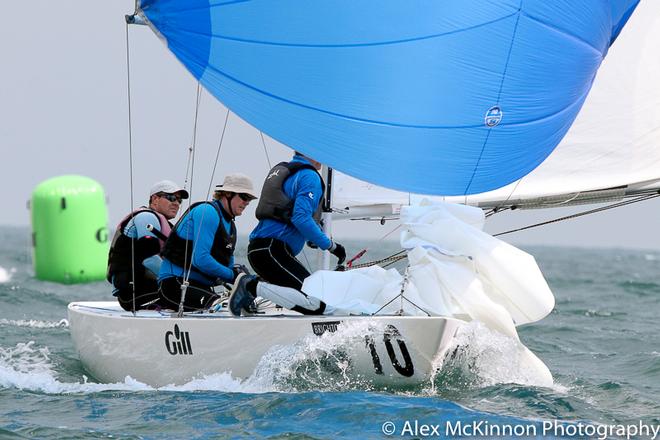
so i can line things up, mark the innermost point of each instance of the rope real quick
(580, 214)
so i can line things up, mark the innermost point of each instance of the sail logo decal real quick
(493, 116)
(178, 342)
(321, 327)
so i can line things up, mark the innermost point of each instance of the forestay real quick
(438, 97)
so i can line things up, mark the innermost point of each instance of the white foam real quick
(223, 382)
(5, 275)
(313, 362)
(29, 367)
(33, 323)
(488, 358)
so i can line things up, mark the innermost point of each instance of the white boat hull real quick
(159, 349)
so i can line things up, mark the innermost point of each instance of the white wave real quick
(33, 323)
(314, 362)
(488, 358)
(29, 367)
(5, 275)
(222, 382)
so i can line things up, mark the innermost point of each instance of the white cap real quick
(237, 183)
(168, 187)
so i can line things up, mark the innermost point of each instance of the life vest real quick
(178, 250)
(123, 247)
(274, 203)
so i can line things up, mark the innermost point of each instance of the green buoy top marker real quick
(69, 230)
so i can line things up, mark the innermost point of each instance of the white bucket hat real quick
(237, 183)
(168, 187)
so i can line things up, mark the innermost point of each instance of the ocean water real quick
(601, 344)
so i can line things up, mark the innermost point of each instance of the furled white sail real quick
(612, 149)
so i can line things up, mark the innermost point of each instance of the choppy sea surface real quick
(601, 344)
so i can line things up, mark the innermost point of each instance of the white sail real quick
(612, 149)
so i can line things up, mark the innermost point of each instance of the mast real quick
(326, 216)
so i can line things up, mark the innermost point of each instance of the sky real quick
(64, 110)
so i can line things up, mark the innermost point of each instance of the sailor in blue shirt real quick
(201, 246)
(289, 214)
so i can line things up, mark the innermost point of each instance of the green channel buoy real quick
(69, 230)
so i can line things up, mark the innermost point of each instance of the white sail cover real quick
(614, 142)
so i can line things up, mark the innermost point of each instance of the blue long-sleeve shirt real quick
(304, 187)
(137, 228)
(200, 225)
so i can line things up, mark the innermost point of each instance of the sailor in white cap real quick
(138, 241)
(201, 246)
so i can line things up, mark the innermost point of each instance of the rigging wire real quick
(190, 171)
(208, 193)
(217, 154)
(580, 214)
(208, 190)
(391, 259)
(130, 159)
(263, 142)
(190, 164)
(384, 262)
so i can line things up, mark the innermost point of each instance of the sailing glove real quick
(338, 251)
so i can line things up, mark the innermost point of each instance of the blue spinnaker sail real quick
(430, 96)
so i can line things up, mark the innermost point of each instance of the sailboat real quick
(465, 101)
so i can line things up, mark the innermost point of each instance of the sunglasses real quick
(245, 197)
(171, 197)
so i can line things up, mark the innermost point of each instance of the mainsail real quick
(437, 97)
